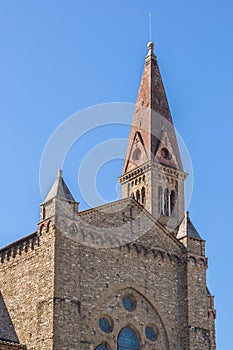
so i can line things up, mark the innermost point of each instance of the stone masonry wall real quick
(90, 283)
(157, 280)
(27, 285)
(67, 294)
(56, 290)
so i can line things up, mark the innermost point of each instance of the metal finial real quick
(150, 26)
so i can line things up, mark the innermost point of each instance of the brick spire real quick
(151, 92)
(152, 126)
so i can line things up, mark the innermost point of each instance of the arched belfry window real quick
(128, 189)
(143, 193)
(138, 196)
(160, 201)
(127, 339)
(172, 201)
(166, 209)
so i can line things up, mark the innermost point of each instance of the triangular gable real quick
(165, 153)
(138, 154)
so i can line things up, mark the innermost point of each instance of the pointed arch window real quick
(127, 339)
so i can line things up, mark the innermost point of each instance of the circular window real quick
(129, 303)
(165, 153)
(136, 154)
(151, 332)
(105, 325)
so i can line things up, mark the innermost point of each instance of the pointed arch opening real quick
(127, 339)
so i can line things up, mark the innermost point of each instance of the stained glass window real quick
(151, 332)
(105, 325)
(129, 303)
(127, 339)
(101, 347)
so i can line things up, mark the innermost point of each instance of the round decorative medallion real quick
(165, 153)
(137, 154)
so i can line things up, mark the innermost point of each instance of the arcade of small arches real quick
(137, 189)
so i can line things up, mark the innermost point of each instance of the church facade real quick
(130, 274)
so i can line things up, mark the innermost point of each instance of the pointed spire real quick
(151, 92)
(59, 189)
(152, 125)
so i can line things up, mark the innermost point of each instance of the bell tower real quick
(153, 171)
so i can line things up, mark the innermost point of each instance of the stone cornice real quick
(167, 170)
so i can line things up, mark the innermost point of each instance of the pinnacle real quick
(59, 189)
(187, 228)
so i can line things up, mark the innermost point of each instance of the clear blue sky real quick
(58, 57)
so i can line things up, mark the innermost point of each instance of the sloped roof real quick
(187, 228)
(59, 189)
(7, 331)
(115, 223)
(122, 222)
(8, 344)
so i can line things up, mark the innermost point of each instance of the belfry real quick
(130, 274)
(153, 171)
